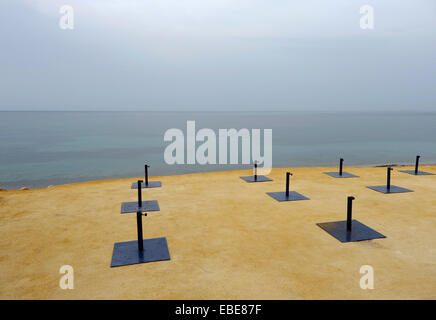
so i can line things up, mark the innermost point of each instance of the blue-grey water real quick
(38, 149)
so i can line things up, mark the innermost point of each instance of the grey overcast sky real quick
(218, 55)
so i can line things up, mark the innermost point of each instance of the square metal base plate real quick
(393, 189)
(259, 179)
(359, 231)
(150, 205)
(126, 253)
(344, 175)
(422, 173)
(151, 184)
(281, 196)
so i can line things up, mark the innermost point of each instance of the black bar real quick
(349, 212)
(139, 193)
(146, 175)
(341, 161)
(258, 309)
(417, 164)
(388, 183)
(255, 170)
(287, 183)
(139, 225)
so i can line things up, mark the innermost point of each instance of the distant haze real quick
(218, 55)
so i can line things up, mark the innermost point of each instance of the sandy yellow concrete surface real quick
(227, 238)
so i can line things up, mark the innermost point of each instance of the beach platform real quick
(232, 243)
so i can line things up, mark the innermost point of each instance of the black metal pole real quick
(388, 183)
(287, 183)
(417, 164)
(139, 194)
(146, 175)
(255, 170)
(349, 212)
(139, 225)
(341, 161)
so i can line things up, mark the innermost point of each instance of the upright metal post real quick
(255, 170)
(341, 162)
(287, 183)
(139, 225)
(388, 183)
(146, 175)
(139, 193)
(417, 164)
(349, 212)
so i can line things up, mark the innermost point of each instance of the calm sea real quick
(38, 149)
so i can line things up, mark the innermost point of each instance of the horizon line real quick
(247, 111)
